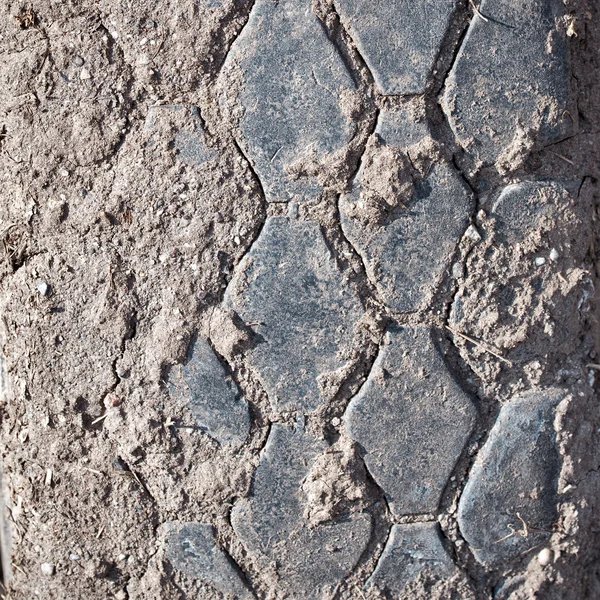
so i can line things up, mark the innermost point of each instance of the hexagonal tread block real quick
(311, 562)
(407, 252)
(411, 550)
(510, 84)
(192, 549)
(291, 82)
(412, 419)
(399, 41)
(203, 385)
(509, 504)
(289, 287)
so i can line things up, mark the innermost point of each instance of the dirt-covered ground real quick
(115, 252)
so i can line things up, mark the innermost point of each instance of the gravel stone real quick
(509, 503)
(412, 419)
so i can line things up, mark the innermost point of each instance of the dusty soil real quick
(114, 256)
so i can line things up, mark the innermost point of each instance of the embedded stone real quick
(192, 549)
(412, 549)
(521, 208)
(510, 502)
(289, 288)
(292, 82)
(311, 561)
(184, 128)
(509, 87)
(213, 398)
(412, 419)
(408, 245)
(399, 41)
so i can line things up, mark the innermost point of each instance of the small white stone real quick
(539, 261)
(74, 556)
(472, 233)
(545, 557)
(85, 74)
(64, 173)
(121, 557)
(335, 421)
(43, 288)
(554, 254)
(457, 270)
(47, 569)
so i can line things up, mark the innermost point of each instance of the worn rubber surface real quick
(297, 299)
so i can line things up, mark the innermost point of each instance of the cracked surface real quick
(298, 299)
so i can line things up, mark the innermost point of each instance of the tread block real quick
(310, 561)
(304, 312)
(211, 395)
(412, 549)
(192, 549)
(183, 127)
(398, 40)
(413, 421)
(292, 82)
(509, 86)
(509, 503)
(406, 245)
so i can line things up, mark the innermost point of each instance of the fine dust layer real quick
(298, 299)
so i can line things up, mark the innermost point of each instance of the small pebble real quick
(539, 261)
(545, 557)
(472, 233)
(74, 556)
(85, 74)
(335, 421)
(553, 254)
(43, 288)
(78, 61)
(458, 270)
(121, 557)
(111, 400)
(47, 569)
